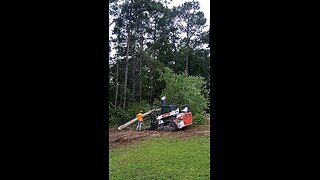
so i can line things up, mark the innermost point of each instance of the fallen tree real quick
(135, 119)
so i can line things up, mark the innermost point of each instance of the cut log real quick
(135, 119)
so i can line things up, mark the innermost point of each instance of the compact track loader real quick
(172, 118)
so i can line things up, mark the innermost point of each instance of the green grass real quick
(162, 158)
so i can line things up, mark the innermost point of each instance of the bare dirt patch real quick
(130, 136)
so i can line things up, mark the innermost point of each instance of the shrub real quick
(117, 116)
(134, 108)
(198, 118)
(180, 89)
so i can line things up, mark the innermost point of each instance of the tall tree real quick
(128, 15)
(192, 23)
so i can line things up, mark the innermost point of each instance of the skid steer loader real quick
(172, 118)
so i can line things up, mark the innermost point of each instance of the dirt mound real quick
(130, 136)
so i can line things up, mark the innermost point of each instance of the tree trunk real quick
(133, 78)
(135, 119)
(187, 61)
(175, 52)
(117, 85)
(140, 66)
(187, 50)
(140, 82)
(126, 73)
(133, 74)
(151, 89)
(127, 59)
(154, 39)
(136, 33)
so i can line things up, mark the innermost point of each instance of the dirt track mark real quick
(130, 136)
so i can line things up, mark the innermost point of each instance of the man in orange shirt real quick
(140, 121)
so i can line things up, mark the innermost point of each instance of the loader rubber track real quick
(167, 127)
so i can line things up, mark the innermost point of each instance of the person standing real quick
(163, 101)
(140, 121)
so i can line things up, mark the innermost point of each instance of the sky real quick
(204, 7)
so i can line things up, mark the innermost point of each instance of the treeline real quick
(148, 36)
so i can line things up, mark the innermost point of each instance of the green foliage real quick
(117, 116)
(134, 108)
(199, 118)
(182, 90)
(156, 104)
(162, 158)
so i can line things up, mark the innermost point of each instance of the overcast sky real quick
(204, 7)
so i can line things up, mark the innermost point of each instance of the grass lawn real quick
(162, 158)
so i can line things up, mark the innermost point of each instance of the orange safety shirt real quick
(139, 116)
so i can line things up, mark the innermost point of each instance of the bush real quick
(134, 108)
(180, 89)
(198, 119)
(117, 116)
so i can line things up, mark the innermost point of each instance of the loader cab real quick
(172, 107)
(184, 108)
(168, 108)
